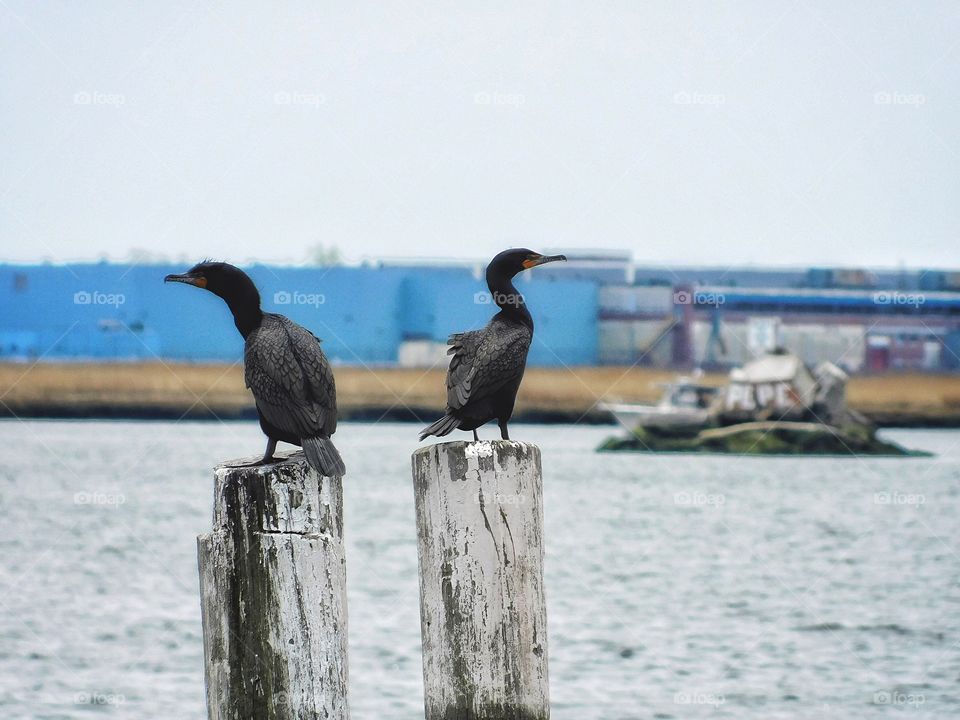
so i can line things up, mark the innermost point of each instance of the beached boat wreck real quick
(683, 404)
(774, 404)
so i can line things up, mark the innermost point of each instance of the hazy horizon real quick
(453, 260)
(745, 134)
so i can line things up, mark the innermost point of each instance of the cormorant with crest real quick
(487, 365)
(284, 367)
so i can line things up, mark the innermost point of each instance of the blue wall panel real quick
(362, 314)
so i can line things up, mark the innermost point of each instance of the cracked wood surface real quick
(483, 614)
(273, 594)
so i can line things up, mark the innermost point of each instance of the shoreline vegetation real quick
(161, 390)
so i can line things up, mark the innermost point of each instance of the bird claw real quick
(261, 461)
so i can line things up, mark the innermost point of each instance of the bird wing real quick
(290, 378)
(485, 360)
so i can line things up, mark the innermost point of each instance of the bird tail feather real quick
(323, 456)
(444, 426)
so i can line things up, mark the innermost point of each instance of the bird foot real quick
(262, 461)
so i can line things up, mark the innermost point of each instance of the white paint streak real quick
(484, 448)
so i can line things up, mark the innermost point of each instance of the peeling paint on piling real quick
(273, 594)
(483, 614)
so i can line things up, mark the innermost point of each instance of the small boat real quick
(684, 404)
(773, 405)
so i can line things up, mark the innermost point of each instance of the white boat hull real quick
(656, 416)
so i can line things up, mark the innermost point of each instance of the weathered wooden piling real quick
(273, 594)
(483, 615)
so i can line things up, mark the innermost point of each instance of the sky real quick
(698, 133)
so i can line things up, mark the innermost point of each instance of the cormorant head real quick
(222, 279)
(510, 262)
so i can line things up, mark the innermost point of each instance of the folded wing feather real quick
(290, 378)
(483, 361)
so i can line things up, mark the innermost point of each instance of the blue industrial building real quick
(597, 309)
(363, 314)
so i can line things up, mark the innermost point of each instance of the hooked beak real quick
(196, 280)
(542, 259)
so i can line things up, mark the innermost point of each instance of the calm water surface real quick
(678, 586)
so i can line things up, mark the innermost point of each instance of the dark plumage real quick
(284, 367)
(487, 365)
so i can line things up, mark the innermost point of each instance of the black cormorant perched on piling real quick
(487, 365)
(284, 367)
